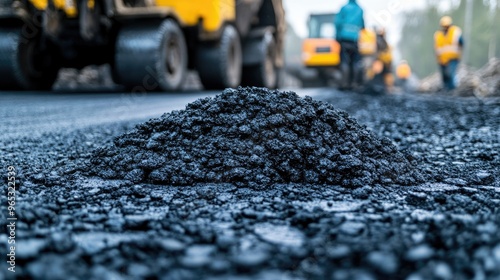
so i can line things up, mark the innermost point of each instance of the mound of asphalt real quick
(253, 137)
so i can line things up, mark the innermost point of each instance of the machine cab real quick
(321, 49)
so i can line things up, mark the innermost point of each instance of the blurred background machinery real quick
(321, 52)
(322, 61)
(149, 44)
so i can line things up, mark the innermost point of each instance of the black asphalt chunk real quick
(253, 137)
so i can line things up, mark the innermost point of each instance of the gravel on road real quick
(75, 226)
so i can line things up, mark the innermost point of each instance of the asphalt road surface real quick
(27, 113)
(73, 226)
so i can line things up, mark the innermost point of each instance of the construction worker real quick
(448, 45)
(348, 23)
(385, 56)
(403, 73)
(367, 45)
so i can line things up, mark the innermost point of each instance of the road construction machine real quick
(150, 44)
(321, 52)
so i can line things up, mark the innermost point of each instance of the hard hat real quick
(446, 21)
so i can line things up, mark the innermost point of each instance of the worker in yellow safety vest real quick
(403, 73)
(448, 45)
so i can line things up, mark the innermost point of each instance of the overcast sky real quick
(377, 12)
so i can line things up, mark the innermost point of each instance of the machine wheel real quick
(149, 58)
(265, 73)
(220, 65)
(24, 65)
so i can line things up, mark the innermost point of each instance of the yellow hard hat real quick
(446, 21)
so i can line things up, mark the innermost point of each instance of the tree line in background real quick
(417, 40)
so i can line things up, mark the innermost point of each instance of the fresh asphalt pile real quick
(253, 137)
(72, 225)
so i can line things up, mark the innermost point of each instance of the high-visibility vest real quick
(367, 42)
(403, 71)
(447, 45)
(386, 55)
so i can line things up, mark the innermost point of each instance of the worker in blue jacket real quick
(349, 22)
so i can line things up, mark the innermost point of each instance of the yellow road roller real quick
(150, 44)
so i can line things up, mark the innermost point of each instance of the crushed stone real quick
(254, 137)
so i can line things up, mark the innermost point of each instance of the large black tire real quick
(24, 65)
(151, 58)
(219, 65)
(265, 73)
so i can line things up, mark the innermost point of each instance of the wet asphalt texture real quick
(72, 225)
